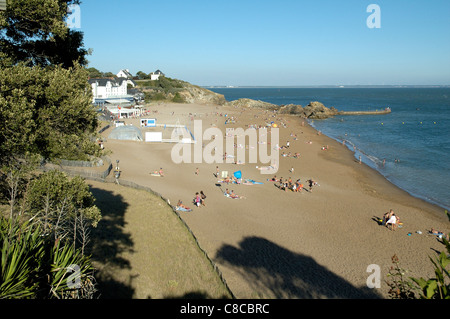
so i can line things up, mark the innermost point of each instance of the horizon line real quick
(332, 86)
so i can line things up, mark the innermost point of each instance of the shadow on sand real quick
(275, 272)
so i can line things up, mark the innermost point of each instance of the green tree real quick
(94, 73)
(34, 31)
(62, 206)
(46, 111)
(142, 76)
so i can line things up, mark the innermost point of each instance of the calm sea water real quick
(414, 140)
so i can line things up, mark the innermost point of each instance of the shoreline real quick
(429, 196)
(367, 162)
(435, 206)
(263, 242)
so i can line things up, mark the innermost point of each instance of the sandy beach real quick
(277, 244)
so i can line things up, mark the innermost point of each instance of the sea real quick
(410, 146)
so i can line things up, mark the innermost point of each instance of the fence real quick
(103, 176)
(148, 189)
(79, 168)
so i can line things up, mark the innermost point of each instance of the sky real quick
(272, 43)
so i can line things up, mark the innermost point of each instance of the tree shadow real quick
(271, 269)
(107, 242)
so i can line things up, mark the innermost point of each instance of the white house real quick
(125, 73)
(155, 75)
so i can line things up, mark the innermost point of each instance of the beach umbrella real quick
(237, 174)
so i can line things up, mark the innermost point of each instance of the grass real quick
(142, 250)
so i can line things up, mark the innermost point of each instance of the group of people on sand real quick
(231, 179)
(390, 220)
(158, 173)
(439, 234)
(199, 199)
(289, 154)
(289, 184)
(232, 194)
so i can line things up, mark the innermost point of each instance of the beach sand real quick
(276, 244)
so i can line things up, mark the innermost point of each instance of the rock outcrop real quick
(195, 94)
(185, 92)
(316, 110)
(172, 90)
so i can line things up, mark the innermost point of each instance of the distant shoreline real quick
(325, 86)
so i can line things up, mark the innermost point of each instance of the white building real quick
(107, 88)
(125, 73)
(155, 75)
(110, 91)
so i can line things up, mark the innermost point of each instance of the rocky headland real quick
(184, 92)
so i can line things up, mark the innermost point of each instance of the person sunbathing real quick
(439, 233)
(180, 204)
(158, 173)
(233, 195)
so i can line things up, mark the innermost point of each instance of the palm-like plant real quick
(21, 247)
(32, 266)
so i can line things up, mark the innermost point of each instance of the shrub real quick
(34, 266)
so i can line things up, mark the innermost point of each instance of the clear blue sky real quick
(272, 43)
